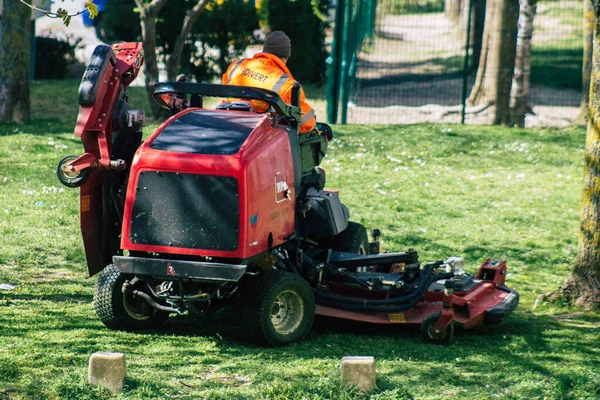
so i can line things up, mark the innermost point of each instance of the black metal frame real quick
(290, 112)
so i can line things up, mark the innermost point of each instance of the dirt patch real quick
(412, 72)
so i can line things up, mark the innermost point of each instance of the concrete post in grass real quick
(108, 370)
(359, 372)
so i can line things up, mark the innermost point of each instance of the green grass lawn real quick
(443, 189)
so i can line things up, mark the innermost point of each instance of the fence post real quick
(345, 64)
(333, 67)
(466, 65)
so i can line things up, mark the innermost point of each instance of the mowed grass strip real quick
(444, 190)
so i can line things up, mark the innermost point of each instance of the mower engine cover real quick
(211, 183)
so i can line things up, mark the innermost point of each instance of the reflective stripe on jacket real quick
(267, 71)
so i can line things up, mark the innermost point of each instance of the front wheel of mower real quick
(427, 330)
(278, 308)
(353, 239)
(121, 311)
(71, 179)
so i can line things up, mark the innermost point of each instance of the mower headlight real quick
(260, 106)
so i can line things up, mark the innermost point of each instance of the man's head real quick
(278, 44)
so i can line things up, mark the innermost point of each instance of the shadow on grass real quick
(38, 127)
(54, 298)
(557, 67)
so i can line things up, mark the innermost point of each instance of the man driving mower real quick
(268, 70)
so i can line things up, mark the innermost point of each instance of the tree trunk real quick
(478, 22)
(583, 286)
(173, 62)
(496, 67)
(452, 9)
(148, 14)
(588, 43)
(15, 53)
(521, 81)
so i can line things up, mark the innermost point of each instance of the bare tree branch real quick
(156, 5)
(174, 59)
(64, 14)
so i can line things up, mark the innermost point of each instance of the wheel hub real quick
(287, 312)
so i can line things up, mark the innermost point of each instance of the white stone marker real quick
(108, 370)
(359, 372)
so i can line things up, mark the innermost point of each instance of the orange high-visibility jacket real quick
(267, 71)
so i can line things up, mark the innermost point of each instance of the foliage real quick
(121, 22)
(63, 14)
(227, 27)
(53, 56)
(299, 19)
(400, 7)
(445, 190)
(219, 35)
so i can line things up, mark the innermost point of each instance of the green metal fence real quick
(408, 61)
(355, 23)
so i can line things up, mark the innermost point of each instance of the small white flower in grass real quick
(520, 176)
(376, 185)
(403, 153)
(508, 178)
(337, 169)
(387, 182)
(492, 152)
(423, 230)
(401, 169)
(6, 211)
(5, 179)
(51, 141)
(437, 172)
(559, 175)
(375, 167)
(383, 192)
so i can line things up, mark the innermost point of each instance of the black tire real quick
(353, 239)
(278, 308)
(68, 178)
(427, 330)
(123, 312)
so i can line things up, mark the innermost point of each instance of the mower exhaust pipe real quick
(155, 304)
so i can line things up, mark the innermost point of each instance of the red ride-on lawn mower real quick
(227, 207)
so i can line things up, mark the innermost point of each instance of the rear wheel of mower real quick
(353, 239)
(428, 334)
(121, 311)
(278, 308)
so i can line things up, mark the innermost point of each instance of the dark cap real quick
(277, 43)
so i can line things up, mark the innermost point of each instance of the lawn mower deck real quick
(228, 208)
